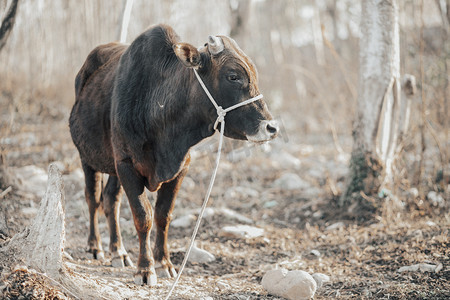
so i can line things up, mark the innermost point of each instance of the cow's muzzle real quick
(268, 130)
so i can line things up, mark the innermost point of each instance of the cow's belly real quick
(90, 130)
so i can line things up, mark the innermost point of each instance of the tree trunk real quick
(125, 20)
(41, 245)
(8, 23)
(375, 129)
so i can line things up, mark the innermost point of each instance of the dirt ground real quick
(303, 227)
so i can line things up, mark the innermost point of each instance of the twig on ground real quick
(5, 192)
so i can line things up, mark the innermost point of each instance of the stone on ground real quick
(290, 181)
(183, 222)
(422, 267)
(284, 160)
(292, 285)
(241, 231)
(320, 279)
(198, 255)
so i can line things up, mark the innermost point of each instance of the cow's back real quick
(99, 58)
(90, 117)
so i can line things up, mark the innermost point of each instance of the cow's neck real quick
(173, 143)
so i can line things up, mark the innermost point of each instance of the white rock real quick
(183, 222)
(231, 214)
(242, 231)
(311, 192)
(269, 204)
(430, 223)
(317, 214)
(293, 285)
(240, 192)
(422, 267)
(198, 255)
(306, 149)
(209, 212)
(272, 279)
(336, 225)
(414, 192)
(315, 252)
(222, 285)
(436, 199)
(290, 181)
(317, 172)
(320, 279)
(284, 160)
(343, 158)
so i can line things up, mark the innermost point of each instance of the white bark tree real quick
(378, 120)
(7, 23)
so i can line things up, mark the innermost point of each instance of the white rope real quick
(220, 118)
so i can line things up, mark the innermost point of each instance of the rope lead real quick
(220, 119)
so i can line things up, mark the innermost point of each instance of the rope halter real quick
(219, 109)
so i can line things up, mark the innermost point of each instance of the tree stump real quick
(41, 245)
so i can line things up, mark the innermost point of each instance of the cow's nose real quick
(267, 130)
(272, 128)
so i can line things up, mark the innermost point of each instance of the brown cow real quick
(138, 111)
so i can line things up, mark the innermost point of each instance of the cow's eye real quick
(233, 77)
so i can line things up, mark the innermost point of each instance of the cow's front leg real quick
(133, 184)
(163, 215)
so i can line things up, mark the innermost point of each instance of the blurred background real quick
(306, 52)
(307, 56)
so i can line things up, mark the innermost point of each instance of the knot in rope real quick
(220, 116)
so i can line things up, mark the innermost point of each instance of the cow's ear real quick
(188, 55)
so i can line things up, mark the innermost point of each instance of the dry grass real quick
(361, 256)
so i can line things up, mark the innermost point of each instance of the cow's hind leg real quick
(163, 215)
(93, 191)
(112, 195)
(134, 187)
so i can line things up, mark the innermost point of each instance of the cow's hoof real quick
(97, 254)
(120, 258)
(121, 261)
(165, 271)
(146, 277)
(100, 255)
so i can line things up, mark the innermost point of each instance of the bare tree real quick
(8, 23)
(127, 6)
(377, 123)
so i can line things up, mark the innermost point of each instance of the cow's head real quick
(231, 77)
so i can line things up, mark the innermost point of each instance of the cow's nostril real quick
(272, 128)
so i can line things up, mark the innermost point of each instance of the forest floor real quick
(303, 227)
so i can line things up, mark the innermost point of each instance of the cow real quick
(138, 110)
